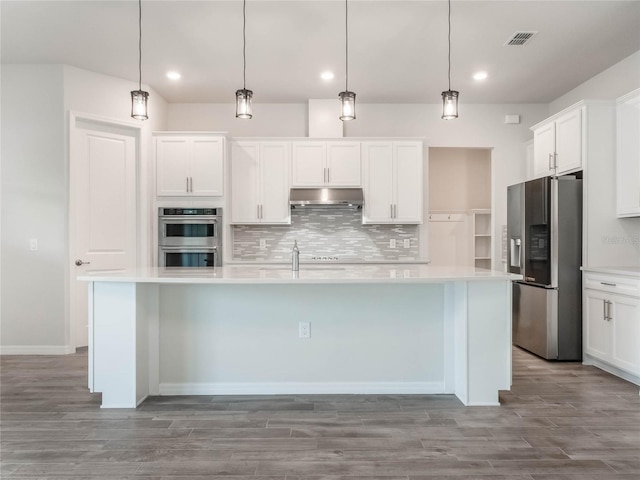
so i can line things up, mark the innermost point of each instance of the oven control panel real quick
(190, 211)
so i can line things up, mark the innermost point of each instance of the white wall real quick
(610, 84)
(35, 166)
(34, 205)
(479, 126)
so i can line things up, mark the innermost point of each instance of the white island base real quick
(409, 329)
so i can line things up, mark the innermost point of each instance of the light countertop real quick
(308, 274)
(629, 271)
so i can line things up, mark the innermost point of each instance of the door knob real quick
(80, 263)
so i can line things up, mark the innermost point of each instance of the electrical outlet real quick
(407, 243)
(304, 329)
(263, 244)
(33, 244)
(392, 243)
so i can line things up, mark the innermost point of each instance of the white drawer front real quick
(613, 283)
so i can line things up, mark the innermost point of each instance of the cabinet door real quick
(207, 166)
(628, 156)
(544, 141)
(274, 183)
(343, 164)
(172, 156)
(244, 182)
(378, 181)
(625, 324)
(597, 331)
(569, 142)
(408, 182)
(308, 164)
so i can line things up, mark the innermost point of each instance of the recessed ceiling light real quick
(327, 75)
(480, 76)
(173, 75)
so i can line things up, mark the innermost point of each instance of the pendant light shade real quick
(244, 96)
(450, 97)
(139, 104)
(139, 97)
(347, 98)
(243, 103)
(449, 105)
(348, 103)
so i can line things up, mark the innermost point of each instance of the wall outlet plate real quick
(33, 244)
(304, 330)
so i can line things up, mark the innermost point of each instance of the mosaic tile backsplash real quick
(335, 234)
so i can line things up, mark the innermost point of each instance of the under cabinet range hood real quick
(326, 197)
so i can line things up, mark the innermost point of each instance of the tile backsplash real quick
(334, 234)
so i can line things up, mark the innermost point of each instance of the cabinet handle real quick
(191, 182)
(604, 310)
(187, 179)
(391, 210)
(258, 211)
(555, 161)
(609, 310)
(328, 175)
(395, 211)
(550, 156)
(608, 284)
(261, 215)
(324, 174)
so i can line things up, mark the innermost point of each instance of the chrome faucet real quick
(295, 257)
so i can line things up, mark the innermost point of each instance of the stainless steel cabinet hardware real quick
(555, 161)
(324, 174)
(80, 263)
(609, 310)
(261, 216)
(395, 211)
(187, 179)
(608, 284)
(258, 211)
(328, 175)
(604, 310)
(191, 184)
(550, 166)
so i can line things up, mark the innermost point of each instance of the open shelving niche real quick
(482, 238)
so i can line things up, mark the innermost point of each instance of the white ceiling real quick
(398, 49)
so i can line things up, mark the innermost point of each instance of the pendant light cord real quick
(244, 44)
(449, 45)
(139, 44)
(346, 43)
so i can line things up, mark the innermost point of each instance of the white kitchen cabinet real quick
(189, 165)
(557, 143)
(392, 182)
(628, 155)
(260, 183)
(326, 164)
(611, 323)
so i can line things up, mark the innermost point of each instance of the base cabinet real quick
(612, 322)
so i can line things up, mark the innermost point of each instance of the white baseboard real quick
(630, 377)
(298, 388)
(36, 350)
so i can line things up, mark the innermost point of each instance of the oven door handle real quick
(176, 218)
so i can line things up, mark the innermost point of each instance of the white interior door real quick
(102, 208)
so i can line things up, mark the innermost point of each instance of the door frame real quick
(142, 171)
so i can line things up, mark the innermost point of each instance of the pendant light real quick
(139, 97)
(244, 96)
(347, 98)
(450, 97)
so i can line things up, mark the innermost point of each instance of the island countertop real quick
(308, 274)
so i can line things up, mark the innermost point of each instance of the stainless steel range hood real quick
(326, 197)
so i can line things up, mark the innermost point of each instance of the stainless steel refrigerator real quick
(544, 228)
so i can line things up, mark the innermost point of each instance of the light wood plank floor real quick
(560, 421)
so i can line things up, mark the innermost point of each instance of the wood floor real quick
(560, 421)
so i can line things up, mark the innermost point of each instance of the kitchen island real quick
(233, 330)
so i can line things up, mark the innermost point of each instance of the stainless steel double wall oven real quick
(189, 237)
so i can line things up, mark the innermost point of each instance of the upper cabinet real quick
(326, 164)
(392, 182)
(189, 165)
(557, 144)
(628, 155)
(260, 183)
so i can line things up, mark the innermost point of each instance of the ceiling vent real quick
(519, 39)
